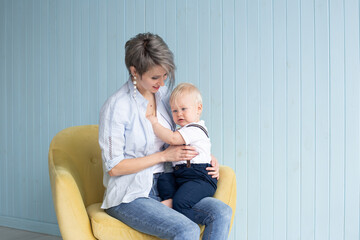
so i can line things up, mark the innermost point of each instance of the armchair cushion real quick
(106, 227)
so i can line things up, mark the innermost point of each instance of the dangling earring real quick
(134, 82)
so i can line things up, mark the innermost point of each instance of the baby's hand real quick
(153, 119)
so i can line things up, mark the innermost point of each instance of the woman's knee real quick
(214, 210)
(226, 213)
(188, 230)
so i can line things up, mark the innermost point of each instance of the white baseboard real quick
(30, 225)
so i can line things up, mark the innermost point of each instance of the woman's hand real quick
(179, 153)
(214, 170)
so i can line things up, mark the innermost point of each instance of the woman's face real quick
(152, 80)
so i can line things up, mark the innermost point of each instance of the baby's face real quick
(185, 110)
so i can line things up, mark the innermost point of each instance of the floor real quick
(16, 234)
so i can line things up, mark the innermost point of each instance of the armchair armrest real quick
(226, 188)
(69, 206)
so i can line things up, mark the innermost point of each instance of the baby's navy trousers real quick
(187, 186)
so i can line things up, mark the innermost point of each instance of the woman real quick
(134, 158)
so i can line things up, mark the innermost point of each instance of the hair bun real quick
(146, 41)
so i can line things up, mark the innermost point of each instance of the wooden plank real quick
(308, 121)
(241, 217)
(322, 121)
(352, 120)
(266, 120)
(279, 128)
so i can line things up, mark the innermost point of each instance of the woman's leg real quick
(152, 217)
(215, 215)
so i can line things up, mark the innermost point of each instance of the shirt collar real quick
(135, 94)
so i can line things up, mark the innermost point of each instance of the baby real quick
(189, 182)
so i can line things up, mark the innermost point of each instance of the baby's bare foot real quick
(167, 202)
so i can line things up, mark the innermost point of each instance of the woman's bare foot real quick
(167, 202)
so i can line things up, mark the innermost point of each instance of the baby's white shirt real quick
(197, 138)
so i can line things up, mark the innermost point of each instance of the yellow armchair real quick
(75, 170)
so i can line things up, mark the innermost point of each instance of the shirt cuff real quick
(112, 163)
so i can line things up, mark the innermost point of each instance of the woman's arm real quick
(133, 165)
(171, 154)
(165, 134)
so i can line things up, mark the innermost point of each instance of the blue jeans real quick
(149, 216)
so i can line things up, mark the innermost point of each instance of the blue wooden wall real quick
(280, 81)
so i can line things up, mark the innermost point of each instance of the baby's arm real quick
(165, 134)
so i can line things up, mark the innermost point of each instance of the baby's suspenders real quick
(188, 165)
(199, 126)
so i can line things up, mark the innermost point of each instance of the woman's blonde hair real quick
(186, 88)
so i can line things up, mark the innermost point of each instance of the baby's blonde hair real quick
(186, 88)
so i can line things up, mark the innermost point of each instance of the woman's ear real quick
(133, 71)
